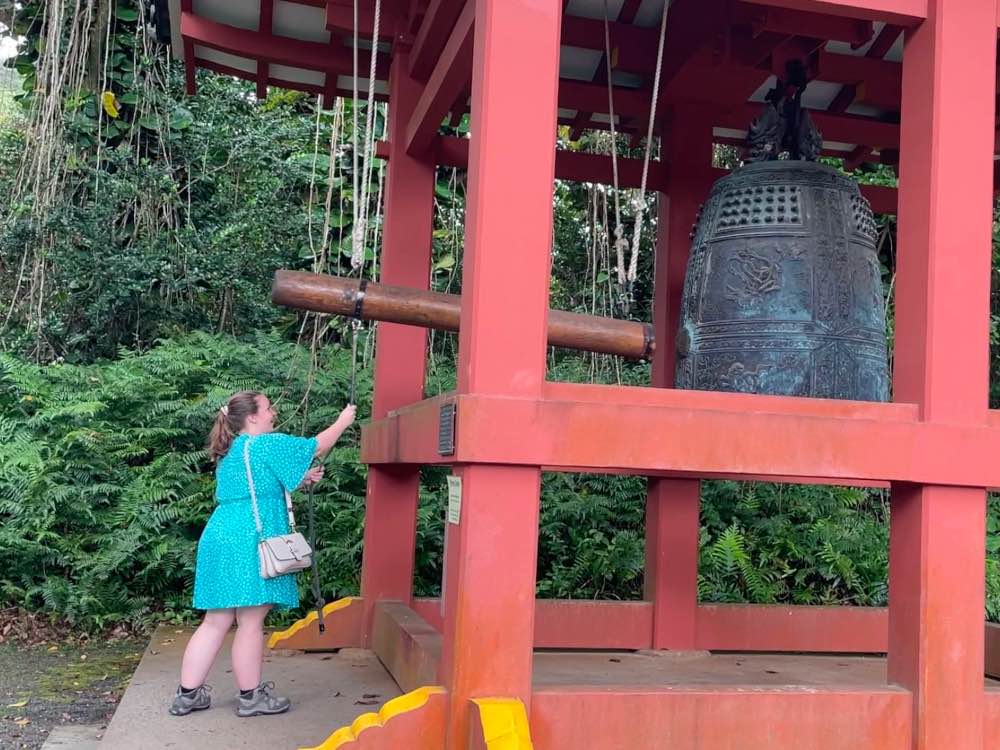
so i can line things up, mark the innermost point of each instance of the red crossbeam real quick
(720, 433)
(438, 22)
(340, 17)
(902, 12)
(278, 49)
(451, 76)
(763, 18)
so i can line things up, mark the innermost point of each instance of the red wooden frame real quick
(934, 447)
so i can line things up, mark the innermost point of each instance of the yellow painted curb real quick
(275, 640)
(504, 723)
(403, 704)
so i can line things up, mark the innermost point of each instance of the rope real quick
(641, 207)
(621, 244)
(360, 216)
(627, 277)
(355, 174)
(361, 197)
(314, 584)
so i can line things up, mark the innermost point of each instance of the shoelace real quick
(265, 689)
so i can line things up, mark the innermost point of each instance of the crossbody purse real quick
(282, 554)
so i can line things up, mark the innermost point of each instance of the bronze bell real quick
(783, 293)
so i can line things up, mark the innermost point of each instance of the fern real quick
(104, 485)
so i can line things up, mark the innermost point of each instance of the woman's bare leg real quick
(248, 646)
(204, 647)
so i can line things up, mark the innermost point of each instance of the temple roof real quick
(722, 54)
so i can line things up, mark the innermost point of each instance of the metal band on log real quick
(337, 295)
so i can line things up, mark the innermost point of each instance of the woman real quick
(227, 580)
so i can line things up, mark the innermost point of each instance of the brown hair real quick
(230, 419)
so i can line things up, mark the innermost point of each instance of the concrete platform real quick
(331, 690)
(324, 688)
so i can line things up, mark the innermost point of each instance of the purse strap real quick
(253, 495)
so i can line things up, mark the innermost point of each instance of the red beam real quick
(406, 644)
(736, 627)
(574, 166)
(340, 18)
(626, 16)
(856, 158)
(249, 75)
(992, 649)
(590, 97)
(594, 428)
(435, 30)
(884, 200)
(633, 105)
(764, 18)
(190, 66)
(752, 50)
(271, 80)
(700, 716)
(900, 12)
(844, 99)
(264, 26)
(715, 82)
(278, 49)
(886, 39)
(879, 82)
(577, 166)
(795, 48)
(451, 76)
(635, 46)
(574, 623)
(841, 128)
(991, 713)
(691, 25)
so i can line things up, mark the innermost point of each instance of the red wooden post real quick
(400, 354)
(936, 586)
(490, 567)
(673, 505)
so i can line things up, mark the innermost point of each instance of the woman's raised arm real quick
(328, 437)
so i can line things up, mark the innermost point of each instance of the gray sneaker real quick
(199, 700)
(262, 702)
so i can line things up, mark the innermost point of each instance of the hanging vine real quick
(94, 79)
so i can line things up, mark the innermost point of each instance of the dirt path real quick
(48, 685)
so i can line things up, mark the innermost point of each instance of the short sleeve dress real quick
(227, 571)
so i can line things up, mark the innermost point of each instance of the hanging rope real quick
(361, 196)
(361, 193)
(621, 244)
(640, 208)
(627, 276)
(361, 179)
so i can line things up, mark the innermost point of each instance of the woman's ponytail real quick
(229, 420)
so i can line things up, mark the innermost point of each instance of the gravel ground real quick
(51, 684)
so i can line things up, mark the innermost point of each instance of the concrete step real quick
(76, 737)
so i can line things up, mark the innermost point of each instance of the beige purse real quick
(283, 554)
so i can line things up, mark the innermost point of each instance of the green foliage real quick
(591, 543)
(795, 544)
(104, 486)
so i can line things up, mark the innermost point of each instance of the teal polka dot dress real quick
(227, 572)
